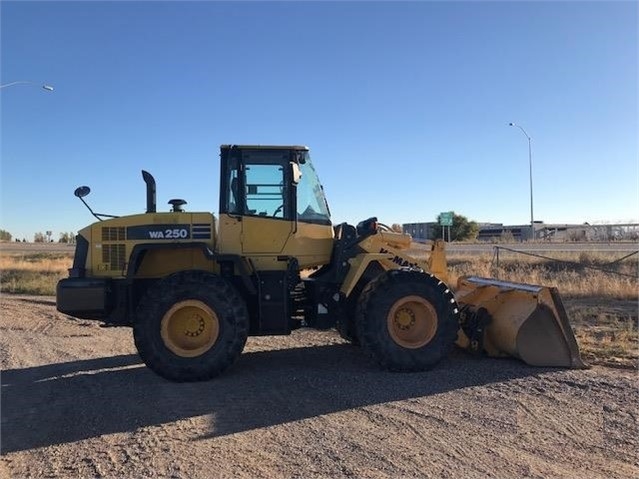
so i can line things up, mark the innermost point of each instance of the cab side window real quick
(265, 190)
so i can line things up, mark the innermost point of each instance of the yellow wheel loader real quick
(193, 287)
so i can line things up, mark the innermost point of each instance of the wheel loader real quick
(194, 286)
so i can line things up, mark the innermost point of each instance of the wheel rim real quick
(190, 328)
(412, 322)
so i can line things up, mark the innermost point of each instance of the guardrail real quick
(494, 266)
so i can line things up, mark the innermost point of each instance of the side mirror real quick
(297, 173)
(82, 191)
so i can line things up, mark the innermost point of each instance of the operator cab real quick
(277, 182)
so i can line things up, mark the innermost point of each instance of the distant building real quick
(492, 232)
(487, 231)
(420, 231)
(500, 232)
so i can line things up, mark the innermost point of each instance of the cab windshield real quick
(311, 202)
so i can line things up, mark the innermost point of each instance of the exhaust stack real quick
(150, 191)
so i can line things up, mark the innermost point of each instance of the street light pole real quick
(532, 221)
(26, 82)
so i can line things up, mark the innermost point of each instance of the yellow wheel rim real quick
(412, 322)
(190, 328)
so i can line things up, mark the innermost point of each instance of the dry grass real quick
(602, 306)
(36, 273)
(607, 330)
(575, 275)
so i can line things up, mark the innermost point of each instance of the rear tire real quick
(407, 320)
(190, 326)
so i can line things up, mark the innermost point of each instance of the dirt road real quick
(77, 402)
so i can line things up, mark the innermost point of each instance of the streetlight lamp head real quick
(47, 87)
(511, 124)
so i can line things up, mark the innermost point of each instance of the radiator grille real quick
(113, 255)
(113, 233)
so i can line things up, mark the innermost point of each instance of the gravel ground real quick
(77, 402)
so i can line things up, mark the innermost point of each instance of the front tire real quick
(190, 326)
(346, 329)
(407, 320)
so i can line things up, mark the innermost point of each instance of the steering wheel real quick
(279, 208)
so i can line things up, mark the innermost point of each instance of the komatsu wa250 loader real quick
(193, 286)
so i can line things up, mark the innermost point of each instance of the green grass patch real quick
(44, 257)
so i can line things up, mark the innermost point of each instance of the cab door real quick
(268, 218)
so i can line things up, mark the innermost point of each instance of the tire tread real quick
(215, 291)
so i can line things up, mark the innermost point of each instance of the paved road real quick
(16, 247)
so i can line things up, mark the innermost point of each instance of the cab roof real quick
(266, 147)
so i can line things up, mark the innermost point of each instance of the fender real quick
(358, 265)
(236, 261)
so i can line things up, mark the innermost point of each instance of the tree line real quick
(67, 237)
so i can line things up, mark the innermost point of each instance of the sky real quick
(405, 106)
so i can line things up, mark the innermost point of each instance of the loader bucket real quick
(526, 321)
